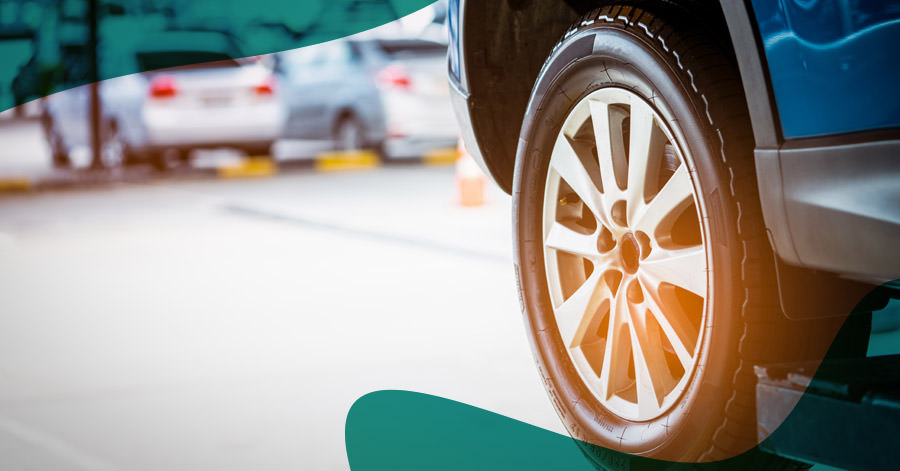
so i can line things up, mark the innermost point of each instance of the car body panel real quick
(827, 167)
(419, 116)
(832, 64)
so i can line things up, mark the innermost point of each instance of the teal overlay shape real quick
(44, 43)
(408, 431)
(405, 431)
(847, 414)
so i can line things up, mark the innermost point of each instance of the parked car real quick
(386, 94)
(216, 101)
(698, 187)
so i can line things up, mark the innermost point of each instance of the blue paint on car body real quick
(833, 64)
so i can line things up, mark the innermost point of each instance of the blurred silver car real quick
(386, 94)
(217, 102)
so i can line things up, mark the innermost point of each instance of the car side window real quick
(315, 58)
(338, 54)
(301, 59)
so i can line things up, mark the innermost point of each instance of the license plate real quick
(216, 101)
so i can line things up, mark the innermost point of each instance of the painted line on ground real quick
(273, 214)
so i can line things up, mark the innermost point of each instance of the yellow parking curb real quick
(346, 160)
(15, 184)
(250, 167)
(445, 156)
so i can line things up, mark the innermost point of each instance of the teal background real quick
(43, 43)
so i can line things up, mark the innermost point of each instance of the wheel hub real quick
(629, 253)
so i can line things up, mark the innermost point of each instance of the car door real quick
(310, 78)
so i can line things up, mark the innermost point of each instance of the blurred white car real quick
(217, 101)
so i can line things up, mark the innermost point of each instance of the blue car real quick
(698, 187)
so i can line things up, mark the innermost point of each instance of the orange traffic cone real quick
(469, 178)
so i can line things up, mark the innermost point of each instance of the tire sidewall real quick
(632, 62)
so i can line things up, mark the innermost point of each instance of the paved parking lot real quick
(231, 324)
(184, 322)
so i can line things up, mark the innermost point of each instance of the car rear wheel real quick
(259, 150)
(643, 266)
(58, 151)
(349, 134)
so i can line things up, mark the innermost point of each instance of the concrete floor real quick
(230, 325)
(205, 324)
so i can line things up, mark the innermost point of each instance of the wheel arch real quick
(341, 114)
(505, 44)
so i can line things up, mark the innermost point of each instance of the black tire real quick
(58, 154)
(349, 134)
(693, 85)
(164, 160)
(183, 156)
(259, 150)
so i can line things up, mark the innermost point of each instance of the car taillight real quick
(163, 86)
(394, 76)
(267, 87)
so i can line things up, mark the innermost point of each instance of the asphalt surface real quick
(231, 324)
(186, 322)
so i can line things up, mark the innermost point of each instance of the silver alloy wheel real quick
(625, 256)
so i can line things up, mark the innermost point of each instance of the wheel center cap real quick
(630, 253)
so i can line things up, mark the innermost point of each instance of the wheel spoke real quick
(570, 168)
(685, 268)
(575, 314)
(651, 374)
(662, 210)
(600, 119)
(673, 322)
(615, 355)
(646, 145)
(567, 240)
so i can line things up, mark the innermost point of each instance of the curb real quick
(249, 167)
(346, 160)
(15, 185)
(440, 157)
